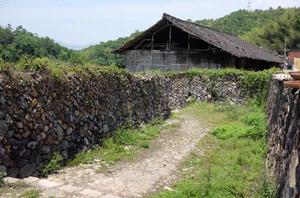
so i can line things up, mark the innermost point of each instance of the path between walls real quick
(152, 169)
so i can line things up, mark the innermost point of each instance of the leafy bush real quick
(53, 165)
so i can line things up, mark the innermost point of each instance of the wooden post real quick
(152, 41)
(169, 46)
(188, 52)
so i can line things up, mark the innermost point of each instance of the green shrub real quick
(53, 165)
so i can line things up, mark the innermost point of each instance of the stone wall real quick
(41, 115)
(284, 138)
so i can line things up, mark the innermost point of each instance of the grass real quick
(124, 145)
(30, 194)
(233, 161)
(55, 163)
(18, 190)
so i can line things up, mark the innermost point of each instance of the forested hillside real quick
(243, 21)
(266, 28)
(17, 44)
(102, 53)
(272, 35)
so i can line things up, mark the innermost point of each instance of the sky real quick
(84, 22)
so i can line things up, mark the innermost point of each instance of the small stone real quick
(38, 138)
(86, 141)
(2, 151)
(46, 128)
(60, 133)
(65, 154)
(12, 172)
(32, 145)
(77, 113)
(69, 131)
(20, 125)
(43, 135)
(3, 127)
(105, 128)
(8, 119)
(27, 170)
(3, 169)
(2, 115)
(45, 150)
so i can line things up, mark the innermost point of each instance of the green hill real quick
(243, 21)
(17, 44)
(102, 53)
(272, 35)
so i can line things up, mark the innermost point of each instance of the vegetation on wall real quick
(253, 84)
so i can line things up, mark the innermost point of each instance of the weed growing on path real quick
(123, 145)
(30, 194)
(234, 152)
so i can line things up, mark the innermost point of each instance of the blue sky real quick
(81, 22)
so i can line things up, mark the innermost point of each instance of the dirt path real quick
(153, 168)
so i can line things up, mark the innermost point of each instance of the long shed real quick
(175, 44)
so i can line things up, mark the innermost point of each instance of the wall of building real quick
(142, 60)
(41, 115)
(284, 138)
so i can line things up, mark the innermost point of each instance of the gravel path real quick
(152, 169)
